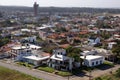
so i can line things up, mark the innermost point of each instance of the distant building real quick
(35, 6)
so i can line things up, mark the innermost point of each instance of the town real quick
(69, 46)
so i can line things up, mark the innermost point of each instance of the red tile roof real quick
(64, 45)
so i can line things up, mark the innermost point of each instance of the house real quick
(37, 58)
(70, 39)
(43, 35)
(92, 52)
(18, 52)
(92, 60)
(111, 44)
(29, 39)
(6, 49)
(60, 61)
(93, 41)
(29, 53)
(106, 53)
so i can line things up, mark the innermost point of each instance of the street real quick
(50, 76)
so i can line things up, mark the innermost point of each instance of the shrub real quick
(63, 73)
(25, 64)
(47, 69)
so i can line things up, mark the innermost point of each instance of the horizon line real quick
(63, 6)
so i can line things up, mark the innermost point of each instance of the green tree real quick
(74, 53)
(4, 41)
(116, 51)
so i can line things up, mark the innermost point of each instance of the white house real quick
(18, 52)
(111, 44)
(92, 60)
(93, 41)
(36, 60)
(92, 52)
(42, 35)
(60, 61)
(30, 39)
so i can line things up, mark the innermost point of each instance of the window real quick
(92, 63)
(96, 62)
(100, 61)
(28, 50)
(55, 61)
(60, 62)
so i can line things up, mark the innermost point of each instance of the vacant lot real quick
(7, 74)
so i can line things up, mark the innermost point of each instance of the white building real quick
(92, 52)
(42, 35)
(36, 60)
(92, 60)
(29, 53)
(60, 61)
(111, 44)
(94, 41)
(30, 39)
(19, 52)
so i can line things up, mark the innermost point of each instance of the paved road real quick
(35, 73)
(50, 76)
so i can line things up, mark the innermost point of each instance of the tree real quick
(74, 53)
(71, 49)
(75, 56)
(116, 51)
(4, 41)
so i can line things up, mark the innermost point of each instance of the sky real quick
(64, 3)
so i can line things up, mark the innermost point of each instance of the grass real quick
(103, 78)
(108, 63)
(64, 73)
(47, 69)
(25, 64)
(105, 65)
(7, 74)
(107, 77)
